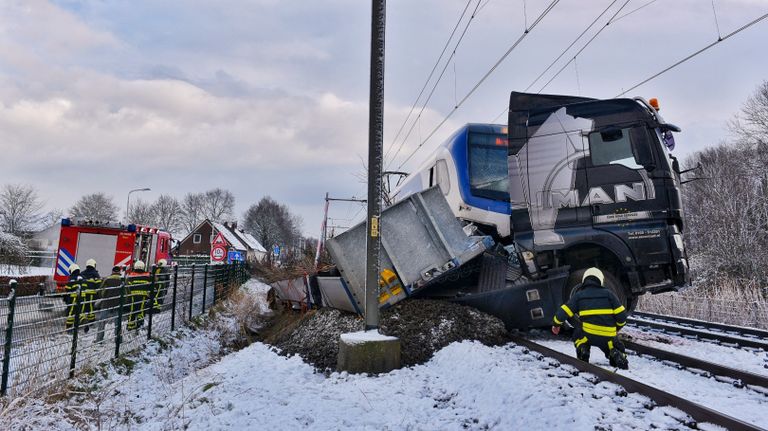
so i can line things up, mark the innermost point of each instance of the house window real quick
(197, 238)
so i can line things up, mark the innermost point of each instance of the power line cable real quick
(690, 56)
(635, 10)
(483, 79)
(592, 24)
(431, 73)
(434, 87)
(589, 42)
(570, 46)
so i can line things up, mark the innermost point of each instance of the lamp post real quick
(128, 203)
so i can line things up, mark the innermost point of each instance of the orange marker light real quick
(655, 103)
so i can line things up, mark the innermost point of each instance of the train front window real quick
(488, 172)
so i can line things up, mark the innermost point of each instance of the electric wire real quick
(690, 56)
(589, 42)
(636, 9)
(592, 24)
(429, 77)
(483, 79)
(434, 87)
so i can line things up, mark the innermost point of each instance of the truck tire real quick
(611, 282)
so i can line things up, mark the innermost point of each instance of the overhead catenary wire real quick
(568, 48)
(589, 42)
(431, 73)
(434, 86)
(482, 80)
(694, 54)
(635, 10)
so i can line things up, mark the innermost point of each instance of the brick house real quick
(198, 242)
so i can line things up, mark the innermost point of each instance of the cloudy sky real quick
(269, 97)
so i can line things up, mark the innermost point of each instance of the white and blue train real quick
(471, 170)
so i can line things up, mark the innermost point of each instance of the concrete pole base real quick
(368, 352)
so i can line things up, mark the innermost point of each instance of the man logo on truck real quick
(597, 195)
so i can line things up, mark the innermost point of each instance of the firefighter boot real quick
(582, 352)
(618, 359)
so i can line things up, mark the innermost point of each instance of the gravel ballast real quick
(423, 326)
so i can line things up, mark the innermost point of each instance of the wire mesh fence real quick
(48, 338)
(730, 305)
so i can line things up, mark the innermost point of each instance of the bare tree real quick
(192, 211)
(168, 214)
(218, 204)
(19, 209)
(727, 206)
(142, 212)
(95, 206)
(272, 223)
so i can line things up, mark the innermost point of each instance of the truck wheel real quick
(611, 282)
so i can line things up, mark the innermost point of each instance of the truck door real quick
(617, 185)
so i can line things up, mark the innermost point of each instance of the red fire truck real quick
(109, 244)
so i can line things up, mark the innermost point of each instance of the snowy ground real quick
(747, 404)
(13, 271)
(187, 384)
(747, 359)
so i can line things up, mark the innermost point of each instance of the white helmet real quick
(73, 268)
(90, 262)
(139, 265)
(162, 262)
(594, 272)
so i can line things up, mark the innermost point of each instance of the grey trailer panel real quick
(420, 239)
(293, 290)
(336, 294)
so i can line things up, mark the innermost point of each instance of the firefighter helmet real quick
(594, 272)
(73, 268)
(162, 262)
(91, 263)
(139, 265)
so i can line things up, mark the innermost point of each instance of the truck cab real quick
(591, 183)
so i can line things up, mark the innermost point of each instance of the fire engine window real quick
(197, 238)
(612, 147)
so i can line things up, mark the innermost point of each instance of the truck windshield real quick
(488, 172)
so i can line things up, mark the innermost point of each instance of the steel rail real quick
(711, 325)
(745, 377)
(706, 335)
(696, 411)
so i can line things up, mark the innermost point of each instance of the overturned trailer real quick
(427, 252)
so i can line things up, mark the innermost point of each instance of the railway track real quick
(739, 376)
(715, 332)
(696, 411)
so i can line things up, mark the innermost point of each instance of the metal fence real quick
(750, 312)
(49, 338)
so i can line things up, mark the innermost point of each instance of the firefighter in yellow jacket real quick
(601, 315)
(138, 286)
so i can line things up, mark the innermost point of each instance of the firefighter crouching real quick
(162, 278)
(138, 294)
(108, 303)
(601, 315)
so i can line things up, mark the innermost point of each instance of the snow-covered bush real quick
(13, 254)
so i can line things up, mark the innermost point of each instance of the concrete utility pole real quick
(375, 159)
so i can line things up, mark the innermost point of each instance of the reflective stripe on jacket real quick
(599, 310)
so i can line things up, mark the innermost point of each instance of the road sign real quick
(276, 250)
(218, 253)
(219, 240)
(235, 256)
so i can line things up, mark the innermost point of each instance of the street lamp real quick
(128, 203)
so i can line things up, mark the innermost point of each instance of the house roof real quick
(230, 236)
(250, 241)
